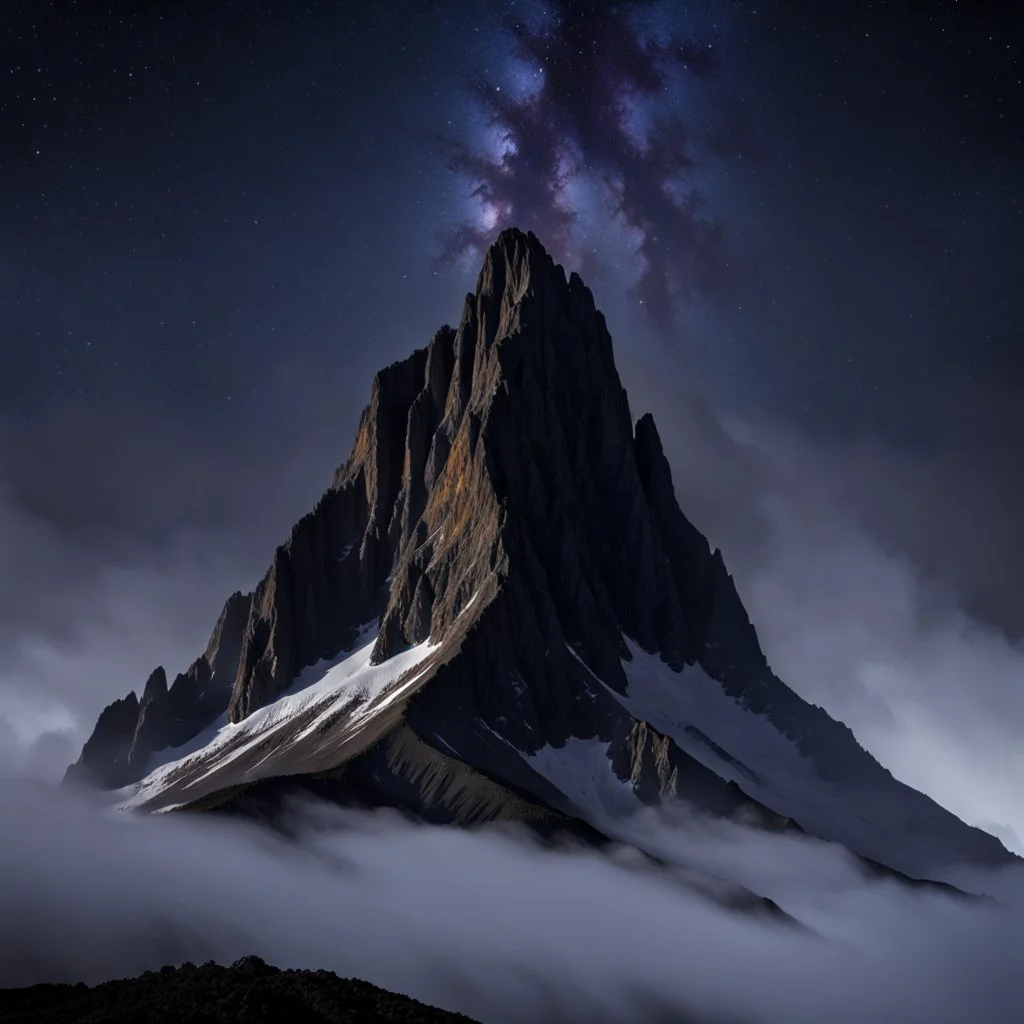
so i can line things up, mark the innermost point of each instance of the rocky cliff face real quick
(499, 502)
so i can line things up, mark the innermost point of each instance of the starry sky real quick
(803, 222)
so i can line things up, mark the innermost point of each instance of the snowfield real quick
(337, 697)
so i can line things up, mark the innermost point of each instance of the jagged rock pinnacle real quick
(499, 502)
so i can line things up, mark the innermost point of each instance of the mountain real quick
(248, 991)
(498, 610)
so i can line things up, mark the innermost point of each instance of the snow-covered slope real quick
(890, 823)
(333, 711)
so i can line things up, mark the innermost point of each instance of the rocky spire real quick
(104, 761)
(498, 500)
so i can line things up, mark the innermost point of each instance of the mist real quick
(489, 923)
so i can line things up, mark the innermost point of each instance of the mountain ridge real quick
(534, 585)
(248, 990)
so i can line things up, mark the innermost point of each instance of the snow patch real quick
(469, 604)
(349, 684)
(581, 770)
(691, 708)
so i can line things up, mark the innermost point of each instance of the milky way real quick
(592, 117)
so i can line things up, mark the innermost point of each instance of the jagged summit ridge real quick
(487, 420)
(517, 543)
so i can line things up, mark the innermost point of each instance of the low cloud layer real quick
(490, 924)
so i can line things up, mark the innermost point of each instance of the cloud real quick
(489, 923)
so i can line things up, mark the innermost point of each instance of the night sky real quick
(803, 221)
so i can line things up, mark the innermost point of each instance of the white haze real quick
(491, 924)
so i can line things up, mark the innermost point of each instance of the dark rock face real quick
(331, 577)
(105, 757)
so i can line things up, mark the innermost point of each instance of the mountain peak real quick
(499, 573)
(515, 263)
(516, 248)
